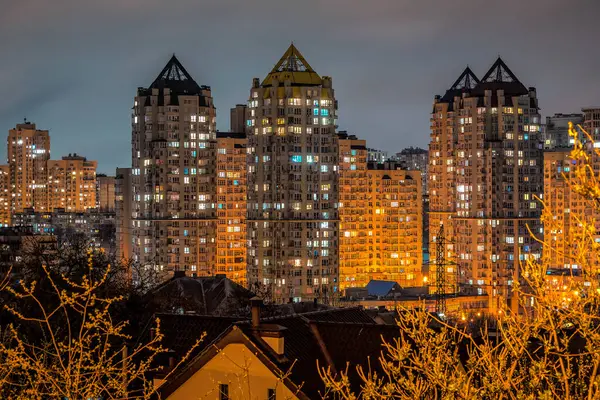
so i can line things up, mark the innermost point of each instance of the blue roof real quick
(380, 288)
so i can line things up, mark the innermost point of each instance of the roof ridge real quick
(386, 326)
(204, 316)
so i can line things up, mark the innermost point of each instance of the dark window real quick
(223, 392)
(270, 394)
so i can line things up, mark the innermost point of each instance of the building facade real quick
(292, 182)
(105, 193)
(486, 163)
(376, 156)
(5, 196)
(381, 217)
(28, 153)
(96, 228)
(566, 208)
(591, 122)
(415, 159)
(231, 206)
(355, 246)
(237, 121)
(396, 210)
(123, 212)
(173, 174)
(72, 184)
(556, 130)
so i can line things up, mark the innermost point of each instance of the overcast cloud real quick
(73, 66)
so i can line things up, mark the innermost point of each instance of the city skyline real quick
(83, 97)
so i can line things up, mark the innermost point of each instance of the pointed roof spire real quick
(499, 72)
(175, 77)
(292, 60)
(294, 67)
(465, 83)
(498, 77)
(466, 80)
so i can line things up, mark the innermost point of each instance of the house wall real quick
(229, 367)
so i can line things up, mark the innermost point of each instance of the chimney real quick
(256, 304)
(271, 334)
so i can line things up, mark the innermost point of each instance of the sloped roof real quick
(213, 295)
(182, 331)
(351, 345)
(303, 346)
(175, 77)
(380, 288)
(499, 76)
(348, 314)
(465, 83)
(293, 66)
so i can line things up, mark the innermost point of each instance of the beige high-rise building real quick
(441, 172)
(28, 153)
(567, 210)
(396, 208)
(173, 174)
(5, 198)
(355, 218)
(292, 182)
(72, 184)
(231, 206)
(485, 171)
(381, 219)
(105, 193)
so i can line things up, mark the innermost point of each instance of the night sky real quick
(73, 66)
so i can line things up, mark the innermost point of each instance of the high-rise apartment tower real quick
(486, 163)
(28, 153)
(173, 173)
(292, 182)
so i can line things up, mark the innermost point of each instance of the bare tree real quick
(72, 347)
